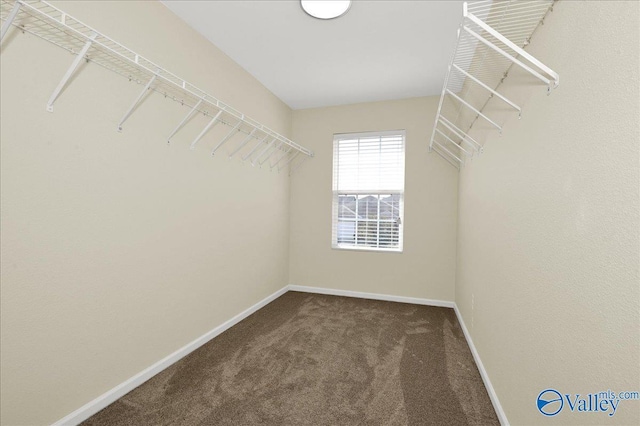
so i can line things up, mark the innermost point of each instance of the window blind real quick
(368, 190)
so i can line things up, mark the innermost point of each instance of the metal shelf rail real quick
(54, 25)
(491, 40)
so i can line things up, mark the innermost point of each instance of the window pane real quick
(390, 207)
(347, 206)
(346, 231)
(368, 206)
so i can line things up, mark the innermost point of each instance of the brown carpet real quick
(308, 359)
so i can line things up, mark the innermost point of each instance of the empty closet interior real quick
(319, 212)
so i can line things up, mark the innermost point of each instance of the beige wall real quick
(117, 249)
(548, 233)
(426, 267)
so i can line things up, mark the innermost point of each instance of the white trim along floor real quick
(127, 386)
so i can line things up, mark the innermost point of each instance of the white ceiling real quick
(379, 50)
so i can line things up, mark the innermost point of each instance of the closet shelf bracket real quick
(242, 144)
(491, 40)
(208, 127)
(277, 147)
(72, 69)
(254, 149)
(193, 111)
(136, 102)
(291, 158)
(264, 151)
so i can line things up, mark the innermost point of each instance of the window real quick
(368, 191)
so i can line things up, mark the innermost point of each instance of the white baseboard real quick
(374, 296)
(117, 392)
(112, 395)
(483, 373)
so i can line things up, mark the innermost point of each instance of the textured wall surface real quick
(548, 235)
(426, 267)
(116, 248)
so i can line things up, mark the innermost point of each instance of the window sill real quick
(367, 249)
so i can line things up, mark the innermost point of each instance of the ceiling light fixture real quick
(325, 9)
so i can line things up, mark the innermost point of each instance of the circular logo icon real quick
(550, 402)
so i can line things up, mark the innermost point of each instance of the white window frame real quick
(380, 191)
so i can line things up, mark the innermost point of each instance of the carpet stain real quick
(308, 359)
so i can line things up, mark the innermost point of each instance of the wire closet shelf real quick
(491, 40)
(54, 25)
